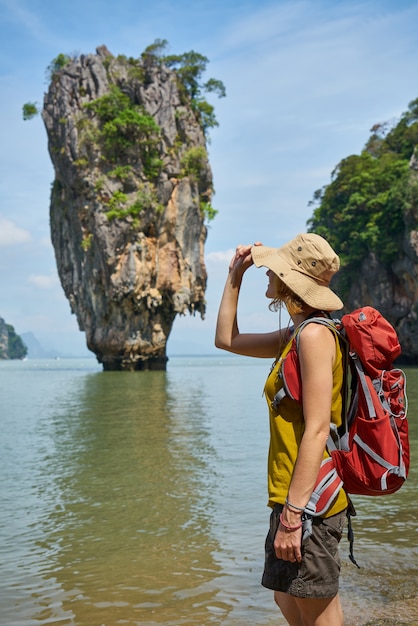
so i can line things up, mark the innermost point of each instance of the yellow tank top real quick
(286, 430)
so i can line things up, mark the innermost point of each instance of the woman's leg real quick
(288, 607)
(310, 611)
(320, 611)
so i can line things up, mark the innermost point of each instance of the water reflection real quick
(133, 498)
(126, 534)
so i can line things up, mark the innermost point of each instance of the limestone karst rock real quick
(127, 213)
(11, 344)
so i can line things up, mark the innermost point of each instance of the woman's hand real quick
(242, 258)
(227, 336)
(287, 544)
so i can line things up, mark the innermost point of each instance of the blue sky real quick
(305, 82)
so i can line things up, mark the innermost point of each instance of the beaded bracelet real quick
(289, 528)
(293, 506)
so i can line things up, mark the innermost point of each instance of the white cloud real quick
(220, 257)
(43, 282)
(11, 234)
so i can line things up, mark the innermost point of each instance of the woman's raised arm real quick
(227, 335)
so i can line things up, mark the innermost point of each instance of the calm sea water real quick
(140, 498)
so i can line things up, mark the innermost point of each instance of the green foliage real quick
(193, 162)
(400, 138)
(30, 110)
(121, 172)
(206, 114)
(125, 125)
(16, 347)
(56, 65)
(109, 106)
(190, 68)
(363, 209)
(86, 242)
(154, 50)
(215, 86)
(146, 198)
(117, 201)
(107, 61)
(208, 211)
(99, 184)
(411, 114)
(127, 128)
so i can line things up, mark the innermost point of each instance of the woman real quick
(304, 577)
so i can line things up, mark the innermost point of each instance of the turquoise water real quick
(140, 498)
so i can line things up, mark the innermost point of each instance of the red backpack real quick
(370, 453)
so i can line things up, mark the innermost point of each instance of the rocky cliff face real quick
(132, 183)
(394, 290)
(11, 344)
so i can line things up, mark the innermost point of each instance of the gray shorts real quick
(318, 573)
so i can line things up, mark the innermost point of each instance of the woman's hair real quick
(285, 296)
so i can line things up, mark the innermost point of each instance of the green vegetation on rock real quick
(30, 110)
(146, 198)
(190, 68)
(56, 65)
(11, 344)
(125, 125)
(371, 197)
(193, 161)
(208, 211)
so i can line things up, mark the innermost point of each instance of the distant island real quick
(36, 350)
(11, 344)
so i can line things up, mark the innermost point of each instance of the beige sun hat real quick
(306, 265)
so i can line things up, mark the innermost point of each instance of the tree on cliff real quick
(190, 68)
(132, 194)
(371, 198)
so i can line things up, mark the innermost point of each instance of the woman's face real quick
(271, 288)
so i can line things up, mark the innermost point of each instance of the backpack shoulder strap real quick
(332, 324)
(335, 326)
